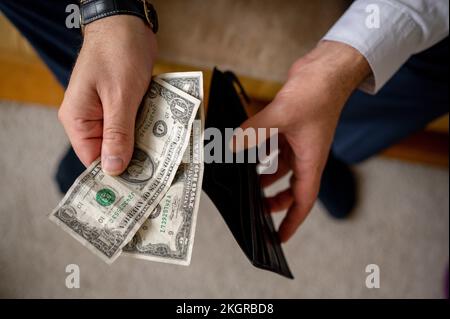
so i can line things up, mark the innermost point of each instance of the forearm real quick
(337, 67)
(341, 64)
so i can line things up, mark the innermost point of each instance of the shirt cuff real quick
(386, 46)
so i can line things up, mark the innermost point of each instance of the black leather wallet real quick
(235, 188)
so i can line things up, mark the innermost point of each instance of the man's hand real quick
(306, 112)
(110, 78)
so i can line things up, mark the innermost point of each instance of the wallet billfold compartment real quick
(235, 188)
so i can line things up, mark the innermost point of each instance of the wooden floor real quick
(24, 78)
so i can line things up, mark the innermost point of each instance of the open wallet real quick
(235, 188)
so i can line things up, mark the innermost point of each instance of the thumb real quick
(255, 130)
(118, 138)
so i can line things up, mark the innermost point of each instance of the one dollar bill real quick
(105, 212)
(168, 234)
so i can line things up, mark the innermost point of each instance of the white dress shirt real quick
(404, 27)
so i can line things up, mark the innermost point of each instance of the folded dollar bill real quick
(168, 234)
(153, 205)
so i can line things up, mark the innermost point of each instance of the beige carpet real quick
(401, 224)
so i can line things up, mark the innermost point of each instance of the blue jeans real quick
(416, 95)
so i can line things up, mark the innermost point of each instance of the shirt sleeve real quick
(388, 32)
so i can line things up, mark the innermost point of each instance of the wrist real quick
(341, 66)
(118, 24)
(93, 10)
(128, 30)
(344, 64)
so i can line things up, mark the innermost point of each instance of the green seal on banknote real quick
(105, 197)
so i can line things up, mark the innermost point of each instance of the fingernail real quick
(112, 164)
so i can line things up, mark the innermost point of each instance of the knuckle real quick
(116, 134)
(63, 111)
(120, 96)
(295, 67)
(61, 115)
(79, 124)
(121, 104)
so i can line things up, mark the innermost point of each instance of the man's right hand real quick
(306, 112)
(108, 82)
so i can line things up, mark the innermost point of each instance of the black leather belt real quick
(92, 10)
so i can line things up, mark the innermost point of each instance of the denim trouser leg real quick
(416, 95)
(43, 23)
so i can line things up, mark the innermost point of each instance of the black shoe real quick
(69, 169)
(338, 188)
